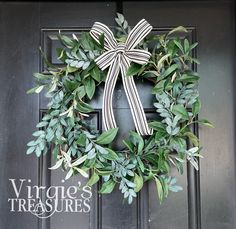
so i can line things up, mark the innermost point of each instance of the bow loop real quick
(138, 56)
(105, 59)
(109, 40)
(136, 35)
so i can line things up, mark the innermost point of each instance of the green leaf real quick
(137, 140)
(68, 42)
(42, 124)
(36, 89)
(169, 70)
(38, 151)
(175, 188)
(179, 29)
(159, 189)
(79, 161)
(152, 158)
(81, 92)
(149, 143)
(192, 46)
(178, 44)
(111, 155)
(159, 87)
(107, 187)
(181, 111)
(101, 40)
(30, 150)
(93, 179)
(55, 151)
(133, 69)
(57, 165)
(70, 85)
(89, 87)
(32, 143)
(107, 136)
(95, 73)
(151, 74)
(61, 54)
(195, 60)
(41, 76)
(81, 140)
(188, 78)
(128, 144)
(92, 154)
(196, 107)
(70, 69)
(38, 133)
(141, 165)
(104, 172)
(193, 138)
(84, 107)
(82, 55)
(179, 141)
(205, 122)
(82, 172)
(45, 59)
(162, 60)
(157, 125)
(101, 150)
(120, 17)
(86, 41)
(186, 45)
(138, 180)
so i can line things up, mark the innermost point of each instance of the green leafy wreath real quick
(79, 148)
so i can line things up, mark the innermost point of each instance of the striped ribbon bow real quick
(118, 57)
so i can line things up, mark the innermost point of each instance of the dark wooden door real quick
(208, 199)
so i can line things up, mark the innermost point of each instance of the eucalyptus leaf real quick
(30, 150)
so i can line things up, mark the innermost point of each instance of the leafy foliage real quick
(79, 148)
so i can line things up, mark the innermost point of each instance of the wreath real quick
(99, 57)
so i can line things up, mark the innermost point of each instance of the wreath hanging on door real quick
(149, 152)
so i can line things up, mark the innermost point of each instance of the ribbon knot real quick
(120, 49)
(118, 57)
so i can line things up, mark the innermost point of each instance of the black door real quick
(208, 199)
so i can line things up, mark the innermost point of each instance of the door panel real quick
(208, 199)
(18, 112)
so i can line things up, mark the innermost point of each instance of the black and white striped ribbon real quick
(118, 57)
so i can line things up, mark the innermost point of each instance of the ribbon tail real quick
(134, 101)
(107, 110)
